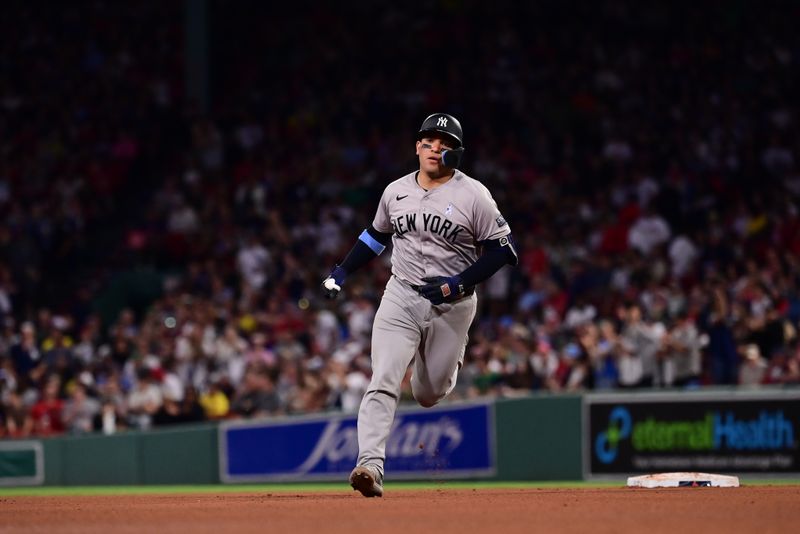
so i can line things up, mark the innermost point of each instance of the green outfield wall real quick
(539, 438)
(180, 455)
(536, 438)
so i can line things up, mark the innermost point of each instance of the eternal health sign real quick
(455, 441)
(645, 434)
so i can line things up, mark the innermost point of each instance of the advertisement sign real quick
(451, 442)
(21, 463)
(647, 434)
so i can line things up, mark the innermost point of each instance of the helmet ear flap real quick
(452, 158)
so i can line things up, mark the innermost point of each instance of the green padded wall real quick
(100, 460)
(180, 455)
(184, 455)
(539, 438)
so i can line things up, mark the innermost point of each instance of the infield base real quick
(678, 480)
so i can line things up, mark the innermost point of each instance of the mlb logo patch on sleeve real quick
(501, 222)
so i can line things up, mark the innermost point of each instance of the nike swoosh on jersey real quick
(398, 197)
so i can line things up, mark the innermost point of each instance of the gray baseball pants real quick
(408, 327)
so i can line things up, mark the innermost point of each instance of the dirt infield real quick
(762, 509)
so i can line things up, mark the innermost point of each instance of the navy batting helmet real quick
(443, 124)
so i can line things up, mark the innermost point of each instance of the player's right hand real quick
(332, 285)
(330, 288)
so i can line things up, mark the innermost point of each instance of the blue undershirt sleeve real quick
(368, 245)
(496, 254)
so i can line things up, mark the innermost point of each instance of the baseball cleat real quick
(367, 480)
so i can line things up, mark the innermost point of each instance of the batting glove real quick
(441, 289)
(332, 285)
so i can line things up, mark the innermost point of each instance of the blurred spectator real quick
(641, 342)
(214, 402)
(601, 345)
(253, 260)
(355, 383)
(257, 396)
(649, 231)
(46, 415)
(80, 411)
(682, 364)
(229, 351)
(144, 400)
(545, 364)
(107, 421)
(721, 344)
(580, 314)
(15, 416)
(682, 254)
(754, 368)
(573, 371)
(27, 358)
(191, 410)
(169, 413)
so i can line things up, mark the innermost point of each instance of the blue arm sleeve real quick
(369, 245)
(496, 253)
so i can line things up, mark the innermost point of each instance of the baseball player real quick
(447, 236)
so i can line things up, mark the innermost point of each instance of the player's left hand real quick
(441, 289)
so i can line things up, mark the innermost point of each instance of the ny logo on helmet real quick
(442, 122)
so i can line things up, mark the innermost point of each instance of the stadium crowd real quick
(162, 265)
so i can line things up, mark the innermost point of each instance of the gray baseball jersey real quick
(436, 232)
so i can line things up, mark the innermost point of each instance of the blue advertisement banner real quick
(456, 441)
